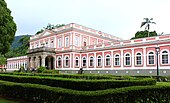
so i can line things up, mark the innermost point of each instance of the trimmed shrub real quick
(41, 69)
(78, 84)
(45, 94)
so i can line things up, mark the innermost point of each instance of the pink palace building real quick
(74, 46)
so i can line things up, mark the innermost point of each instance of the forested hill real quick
(15, 43)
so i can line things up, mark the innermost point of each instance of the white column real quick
(89, 42)
(80, 61)
(87, 61)
(62, 58)
(144, 57)
(70, 60)
(62, 42)
(103, 60)
(80, 40)
(95, 59)
(71, 42)
(121, 55)
(55, 40)
(43, 60)
(73, 58)
(73, 39)
(111, 59)
(132, 57)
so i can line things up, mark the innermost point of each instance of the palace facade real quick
(74, 46)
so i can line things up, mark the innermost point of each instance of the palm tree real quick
(147, 22)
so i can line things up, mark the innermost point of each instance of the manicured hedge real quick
(45, 94)
(77, 84)
(76, 76)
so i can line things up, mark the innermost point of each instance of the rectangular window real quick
(151, 59)
(66, 42)
(59, 43)
(77, 41)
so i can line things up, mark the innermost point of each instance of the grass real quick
(2, 100)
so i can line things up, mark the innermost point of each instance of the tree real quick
(50, 27)
(142, 34)
(147, 22)
(2, 60)
(7, 28)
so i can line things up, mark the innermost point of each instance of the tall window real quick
(59, 43)
(164, 57)
(77, 61)
(84, 42)
(84, 61)
(66, 61)
(107, 60)
(99, 61)
(77, 41)
(91, 61)
(127, 59)
(138, 59)
(151, 58)
(117, 60)
(66, 42)
(59, 62)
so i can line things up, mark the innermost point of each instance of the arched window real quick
(138, 59)
(84, 61)
(117, 60)
(151, 58)
(91, 61)
(127, 59)
(66, 61)
(99, 61)
(107, 60)
(59, 62)
(164, 57)
(77, 61)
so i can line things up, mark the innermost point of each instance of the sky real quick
(121, 18)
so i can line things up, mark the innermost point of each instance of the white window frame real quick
(66, 41)
(65, 61)
(98, 61)
(126, 57)
(115, 59)
(109, 60)
(77, 41)
(92, 61)
(136, 59)
(76, 60)
(150, 55)
(58, 61)
(83, 62)
(164, 54)
(59, 42)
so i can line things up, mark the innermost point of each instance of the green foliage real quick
(143, 34)
(2, 60)
(45, 94)
(50, 27)
(41, 69)
(78, 84)
(51, 71)
(7, 28)
(20, 46)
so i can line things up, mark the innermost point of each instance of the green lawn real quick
(2, 100)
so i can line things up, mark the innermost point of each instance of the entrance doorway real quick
(49, 62)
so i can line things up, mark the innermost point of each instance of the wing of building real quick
(74, 46)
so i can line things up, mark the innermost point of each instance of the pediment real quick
(45, 33)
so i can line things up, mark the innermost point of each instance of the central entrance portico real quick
(43, 56)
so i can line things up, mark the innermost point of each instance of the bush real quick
(41, 69)
(51, 71)
(45, 94)
(78, 84)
